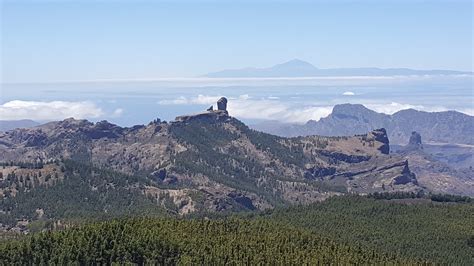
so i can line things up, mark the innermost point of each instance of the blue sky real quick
(86, 40)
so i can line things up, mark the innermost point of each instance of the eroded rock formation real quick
(222, 104)
(415, 141)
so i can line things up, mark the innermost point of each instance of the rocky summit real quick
(208, 161)
(210, 115)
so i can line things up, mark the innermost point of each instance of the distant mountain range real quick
(300, 68)
(352, 119)
(6, 125)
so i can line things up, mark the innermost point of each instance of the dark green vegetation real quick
(235, 165)
(450, 198)
(243, 170)
(438, 232)
(202, 159)
(346, 229)
(201, 242)
(421, 195)
(85, 192)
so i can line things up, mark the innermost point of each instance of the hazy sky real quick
(84, 40)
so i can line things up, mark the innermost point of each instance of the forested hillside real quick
(202, 242)
(83, 191)
(341, 230)
(416, 228)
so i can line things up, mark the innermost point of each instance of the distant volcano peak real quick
(295, 63)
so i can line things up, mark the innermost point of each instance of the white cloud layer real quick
(54, 110)
(348, 93)
(200, 99)
(275, 110)
(269, 108)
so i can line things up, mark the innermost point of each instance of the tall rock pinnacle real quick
(222, 104)
(415, 141)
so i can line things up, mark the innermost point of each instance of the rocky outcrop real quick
(159, 175)
(222, 104)
(70, 124)
(415, 141)
(342, 157)
(241, 199)
(406, 176)
(162, 176)
(380, 135)
(414, 145)
(30, 138)
(211, 115)
(318, 172)
(103, 129)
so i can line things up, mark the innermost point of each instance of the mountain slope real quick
(211, 162)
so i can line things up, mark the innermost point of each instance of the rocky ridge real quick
(212, 161)
(351, 119)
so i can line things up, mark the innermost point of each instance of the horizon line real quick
(204, 78)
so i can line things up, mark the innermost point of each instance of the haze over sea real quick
(129, 102)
